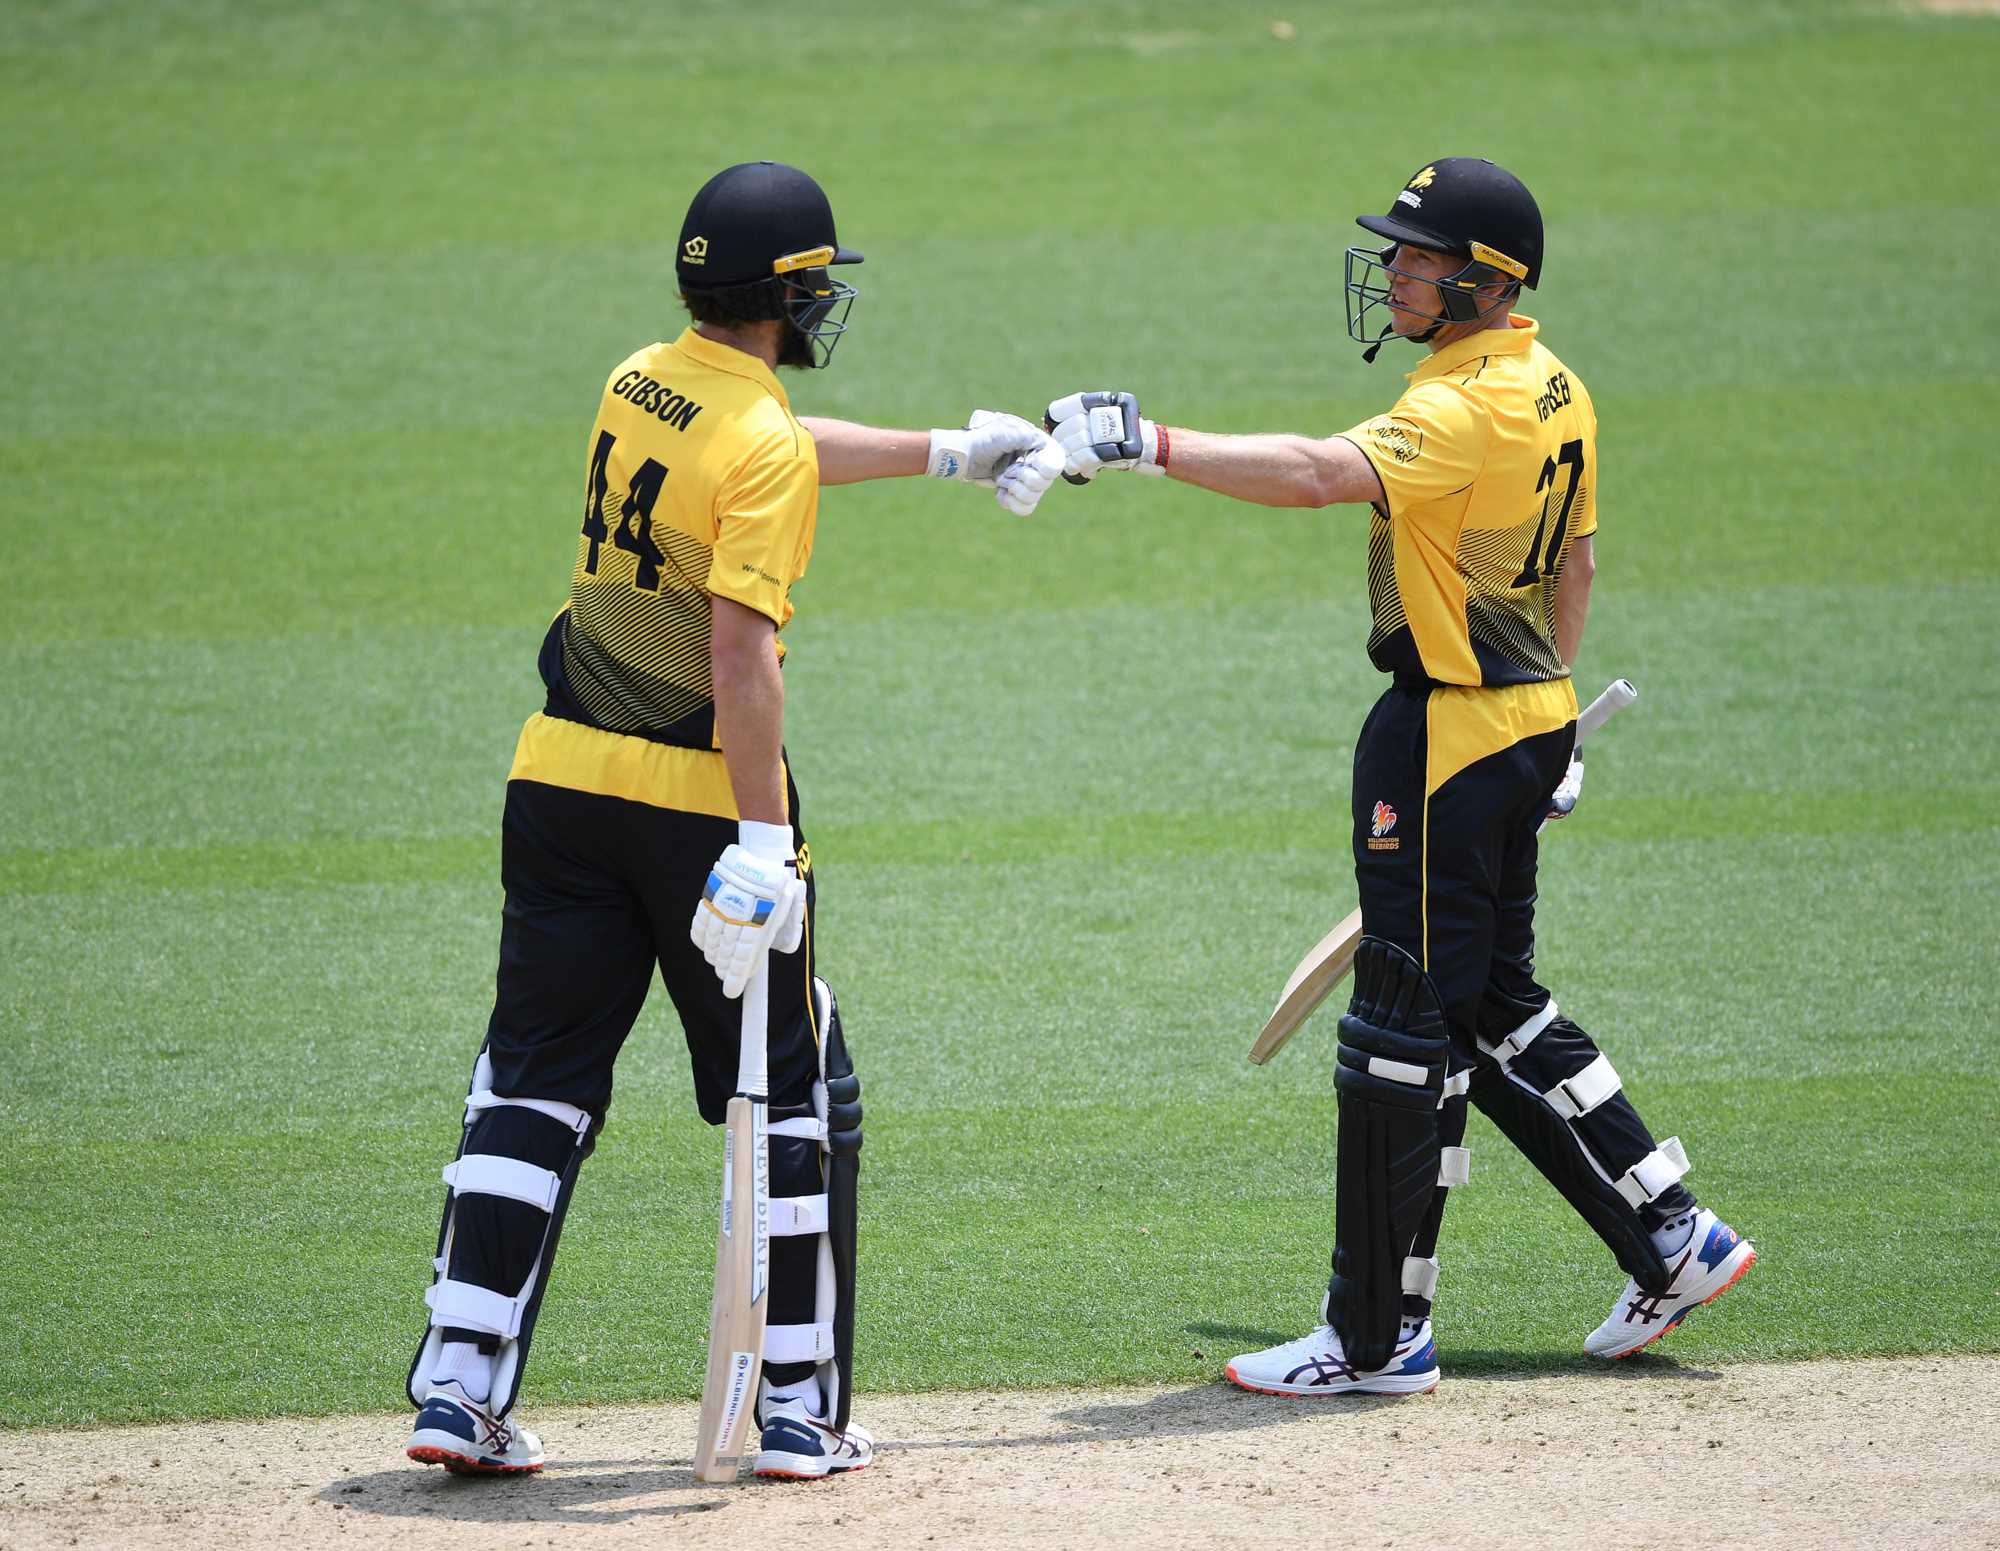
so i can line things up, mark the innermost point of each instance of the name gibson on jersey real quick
(667, 406)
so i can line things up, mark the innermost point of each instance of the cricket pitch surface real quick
(1647, 1453)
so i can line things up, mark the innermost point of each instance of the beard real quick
(795, 349)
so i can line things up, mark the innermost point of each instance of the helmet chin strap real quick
(1388, 333)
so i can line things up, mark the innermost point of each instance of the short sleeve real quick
(1583, 521)
(764, 520)
(1430, 445)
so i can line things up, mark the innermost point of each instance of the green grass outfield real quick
(302, 320)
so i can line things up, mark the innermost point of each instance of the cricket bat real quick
(742, 1252)
(1333, 955)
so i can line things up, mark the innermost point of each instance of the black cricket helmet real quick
(757, 242)
(1463, 206)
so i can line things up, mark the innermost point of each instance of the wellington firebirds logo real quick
(1383, 820)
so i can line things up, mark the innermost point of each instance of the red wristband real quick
(1160, 445)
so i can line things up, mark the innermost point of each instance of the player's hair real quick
(756, 302)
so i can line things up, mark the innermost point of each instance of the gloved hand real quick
(1562, 801)
(1023, 483)
(1099, 431)
(988, 444)
(754, 903)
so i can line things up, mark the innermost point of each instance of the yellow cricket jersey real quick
(698, 482)
(1488, 465)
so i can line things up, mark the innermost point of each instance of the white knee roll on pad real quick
(1579, 1095)
(1454, 1166)
(1420, 1277)
(489, 1174)
(1652, 1174)
(799, 1343)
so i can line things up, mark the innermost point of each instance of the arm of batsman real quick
(979, 453)
(1105, 430)
(754, 903)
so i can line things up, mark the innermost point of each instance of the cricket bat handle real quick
(1618, 694)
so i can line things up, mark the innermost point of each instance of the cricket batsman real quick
(1481, 484)
(653, 790)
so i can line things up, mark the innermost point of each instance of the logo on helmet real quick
(695, 250)
(1423, 179)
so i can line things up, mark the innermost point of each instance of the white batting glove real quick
(1022, 484)
(1099, 431)
(1562, 801)
(988, 444)
(753, 904)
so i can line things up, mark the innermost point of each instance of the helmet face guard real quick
(1370, 277)
(815, 304)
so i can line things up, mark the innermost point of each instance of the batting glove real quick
(1098, 431)
(1562, 801)
(1022, 484)
(754, 903)
(979, 453)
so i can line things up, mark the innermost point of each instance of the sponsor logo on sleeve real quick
(1381, 822)
(1402, 440)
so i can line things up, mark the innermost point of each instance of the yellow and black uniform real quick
(698, 483)
(1488, 465)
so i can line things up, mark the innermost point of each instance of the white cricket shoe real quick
(1315, 1365)
(1714, 1259)
(798, 1446)
(457, 1432)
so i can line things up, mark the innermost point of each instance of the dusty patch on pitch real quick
(1641, 1454)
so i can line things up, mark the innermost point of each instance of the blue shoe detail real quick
(1422, 1361)
(442, 1416)
(786, 1436)
(1722, 1241)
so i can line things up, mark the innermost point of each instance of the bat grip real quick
(1616, 697)
(753, 1061)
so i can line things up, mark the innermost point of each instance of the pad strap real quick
(476, 1308)
(798, 1343)
(1454, 1168)
(488, 1174)
(1521, 1038)
(807, 1126)
(798, 1215)
(1579, 1095)
(1652, 1174)
(1398, 1071)
(1457, 1084)
(567, 1115)
(1420, 1276)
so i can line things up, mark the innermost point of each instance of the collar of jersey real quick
(1512, 340)
(727, 358)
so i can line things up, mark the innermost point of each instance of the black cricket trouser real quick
(599, 892)
(1448, 874)
(1445, 857)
